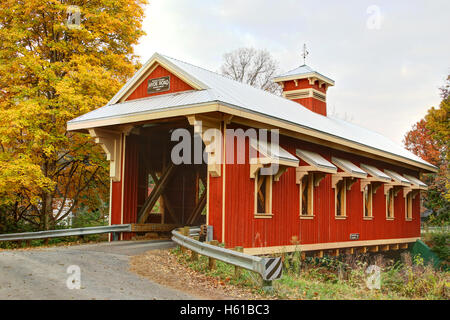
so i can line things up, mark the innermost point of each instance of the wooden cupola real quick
(307, 87)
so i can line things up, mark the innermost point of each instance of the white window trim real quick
(392, 204)
(343, 202)
(371, 193)
(311, 184)
(268, 199)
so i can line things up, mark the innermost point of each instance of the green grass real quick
(340, 278)
(223, 271)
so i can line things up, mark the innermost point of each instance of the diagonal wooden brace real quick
(156, 193)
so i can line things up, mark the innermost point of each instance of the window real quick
(263, 194)
(307, 195)
(408, 209)
(390, 204)
(367, 198)
(340, 198)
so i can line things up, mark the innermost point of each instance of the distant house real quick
(323, 182)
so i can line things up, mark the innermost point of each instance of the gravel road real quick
(104, 273)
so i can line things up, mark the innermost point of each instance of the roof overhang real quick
(416, 183)
(349, 168)
(315, 161)
(260, 119)
(376, 174)
(397, 179)
(272, 155)
(310, 75)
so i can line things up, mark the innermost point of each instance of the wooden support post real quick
(363, 250)
(237, 270)
(350, 251)
(212, 261)
(374, 249)
(303, 256)
(185, 232)
(404, 246)
(385, 247)
(194, 256)
(319, 254)
(394, 246)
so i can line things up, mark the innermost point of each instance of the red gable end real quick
(176, 84)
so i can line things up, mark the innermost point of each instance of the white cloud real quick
(386, 78)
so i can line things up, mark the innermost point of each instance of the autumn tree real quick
(253, 67)
(58, 60)
(430, 140)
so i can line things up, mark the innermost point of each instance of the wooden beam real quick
(394, 246)
(280, 172)
(156, 193)
(314, 247)
(403, 246)
(167, 205)
(350, 183)
(198, 208)
(318, 177)
(374, 249)
(385, 247)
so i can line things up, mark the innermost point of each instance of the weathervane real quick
(305, 53)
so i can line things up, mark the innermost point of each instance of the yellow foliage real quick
(51, 73)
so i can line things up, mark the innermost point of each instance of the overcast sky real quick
(388, 58)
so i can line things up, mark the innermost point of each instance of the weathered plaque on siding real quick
(354, 236)
(158, 85)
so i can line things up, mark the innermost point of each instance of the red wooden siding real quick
(130, 182)
(176, 84)
(243, 229)
(312, 104)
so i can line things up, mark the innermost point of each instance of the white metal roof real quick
(416, 182)
(152, 104)
(376, 173)
(397, 177)
(218, 88)
(303, 70)
(349, 167)
(315, 159)
(273, 150)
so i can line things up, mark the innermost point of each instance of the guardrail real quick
(269, 268)
(115, 229)
(435, 229)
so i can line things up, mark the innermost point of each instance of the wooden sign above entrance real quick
(158, 85)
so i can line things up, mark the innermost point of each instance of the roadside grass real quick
(224, 272)
(336, 278)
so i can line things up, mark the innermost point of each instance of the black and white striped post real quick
(272, 270)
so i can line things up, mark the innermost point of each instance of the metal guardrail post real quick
(269, 268)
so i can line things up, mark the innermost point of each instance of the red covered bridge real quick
(321, 184)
